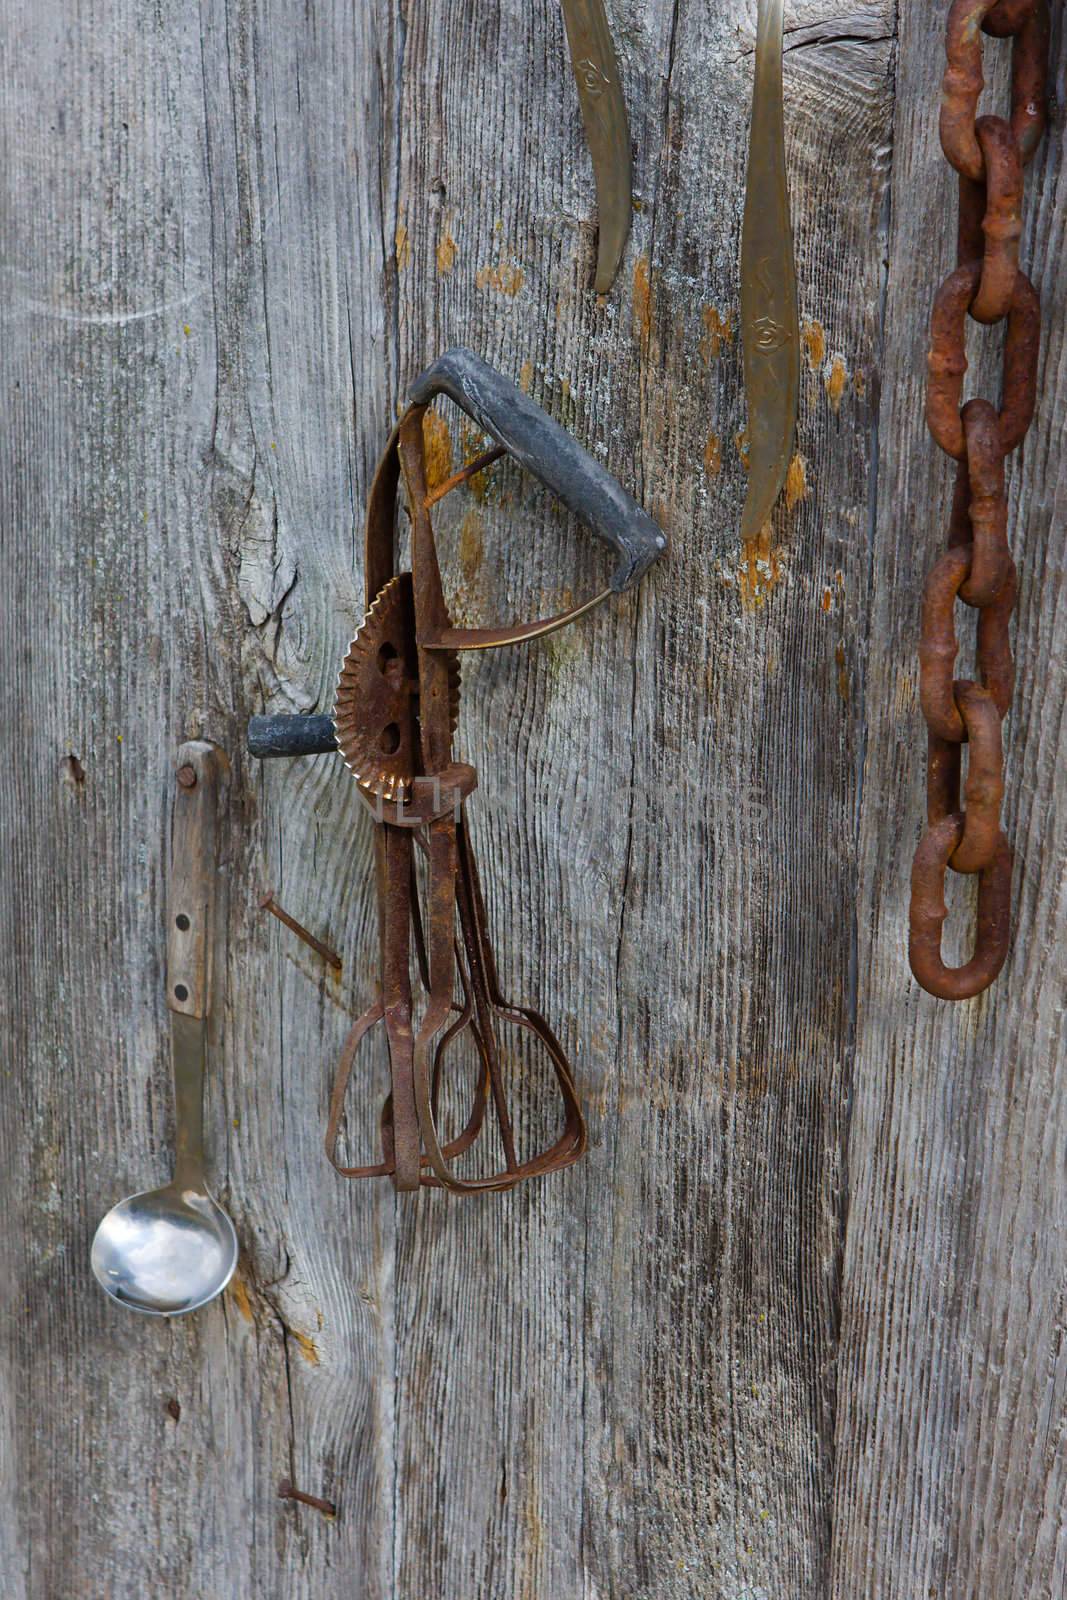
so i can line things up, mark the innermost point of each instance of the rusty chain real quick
(989, 153)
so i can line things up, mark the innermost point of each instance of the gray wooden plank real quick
(950, 1426)
(684, 1447)
(182, 262)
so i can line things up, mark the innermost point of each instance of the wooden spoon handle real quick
(201, 773)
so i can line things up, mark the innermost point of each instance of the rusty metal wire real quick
(990, 154)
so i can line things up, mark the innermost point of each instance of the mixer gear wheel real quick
(375, 714)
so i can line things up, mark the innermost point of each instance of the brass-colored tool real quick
(596, 71)
(770, 329)
(394, 718)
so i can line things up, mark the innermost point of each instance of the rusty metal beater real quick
(989, 153)
(395, 714)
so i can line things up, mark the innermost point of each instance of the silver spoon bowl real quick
(165, 1251)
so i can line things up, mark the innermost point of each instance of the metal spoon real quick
(173, 1249)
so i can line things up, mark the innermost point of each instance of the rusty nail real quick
(471, 470)
(287, 1492)
(187, 777)
(268, 903)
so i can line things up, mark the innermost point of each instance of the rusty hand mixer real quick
(395, 714)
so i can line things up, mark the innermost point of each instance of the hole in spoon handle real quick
(200, 774)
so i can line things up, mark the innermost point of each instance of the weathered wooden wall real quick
(795, 1327)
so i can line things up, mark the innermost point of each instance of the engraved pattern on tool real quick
(592, 77)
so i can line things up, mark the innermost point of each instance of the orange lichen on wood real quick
(403, 248)
(713, 455)
(472, 445)
(796, 482)
(642, 301)
(814, 340)
(741, 440)
(717, 332)
(306, 1345)
(835, 381)
(526, 376)
(760, 571)
(507, 277)
(446, 255)
(438, 446)
(844, 687)
(239, 1290)
(471, 544)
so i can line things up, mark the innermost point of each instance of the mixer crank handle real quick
(548, 452)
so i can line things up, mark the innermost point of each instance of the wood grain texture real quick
(794, 1327)
(952, 1419)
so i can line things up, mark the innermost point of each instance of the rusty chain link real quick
(989, 153)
